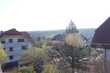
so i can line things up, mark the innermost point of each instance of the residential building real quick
(16, 44)
(58, 40)
(101, 39)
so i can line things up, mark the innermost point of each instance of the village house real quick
(101, 40)
(16, 44)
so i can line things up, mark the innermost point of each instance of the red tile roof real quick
(11, 32)
(14, 32)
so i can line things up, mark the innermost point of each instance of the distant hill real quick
(35, 34)
(86, 32)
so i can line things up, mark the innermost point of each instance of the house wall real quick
(108, 54)
(17, 50)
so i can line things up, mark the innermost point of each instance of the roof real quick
(14, 32)
(59, 37)
(11, 32)
(101, 37)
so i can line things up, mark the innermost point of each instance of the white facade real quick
(15, 47)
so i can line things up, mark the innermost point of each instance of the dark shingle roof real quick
(101, 37)
(59, 37)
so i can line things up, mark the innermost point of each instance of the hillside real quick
(86, 32)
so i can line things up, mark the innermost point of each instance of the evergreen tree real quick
(73, 49)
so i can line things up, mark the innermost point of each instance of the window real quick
(11, 49)
(20, 40)
(10, 57)
(10, 40)
(24, 47)
(2, 42)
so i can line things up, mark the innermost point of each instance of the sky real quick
(33, 15)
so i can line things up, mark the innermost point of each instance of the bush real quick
(26, 70)
(51, 68)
